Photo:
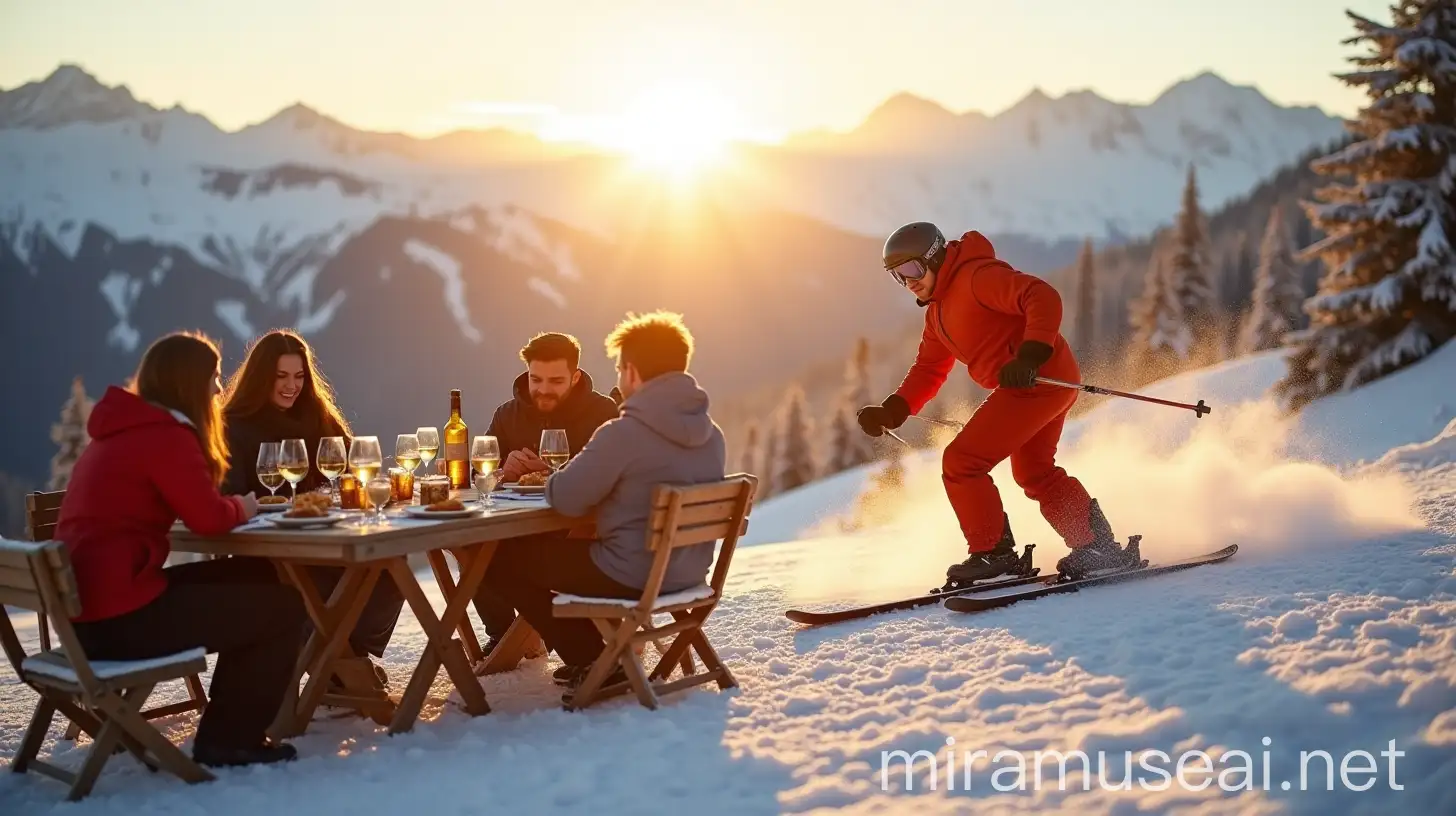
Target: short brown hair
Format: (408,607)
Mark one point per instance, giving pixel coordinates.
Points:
(549,346)
(656,343)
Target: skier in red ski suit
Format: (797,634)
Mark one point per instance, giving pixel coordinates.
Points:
(1003,325)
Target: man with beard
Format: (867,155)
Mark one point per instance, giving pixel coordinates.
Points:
(552,393)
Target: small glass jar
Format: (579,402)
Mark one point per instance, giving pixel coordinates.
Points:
(434,489)
(350,496)
(402,485)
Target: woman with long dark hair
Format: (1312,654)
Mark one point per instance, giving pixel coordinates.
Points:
(158,453)
(279,393)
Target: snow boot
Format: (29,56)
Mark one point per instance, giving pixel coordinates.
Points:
(1102,555)
(1000,561)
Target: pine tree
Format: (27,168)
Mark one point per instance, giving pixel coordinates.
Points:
(850,447)
(1388,295)
(1159,331)
(768,477)
(843,431)
(70,435)
(1086,302)
(796,463)
(1278,291)
(750,452)
(1188,281)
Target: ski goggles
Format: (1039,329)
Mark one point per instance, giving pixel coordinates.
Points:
(913,269)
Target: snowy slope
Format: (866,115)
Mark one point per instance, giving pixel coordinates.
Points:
(1343,640)
(1243,434)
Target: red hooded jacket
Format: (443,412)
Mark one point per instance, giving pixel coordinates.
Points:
(978,313)
(142,470)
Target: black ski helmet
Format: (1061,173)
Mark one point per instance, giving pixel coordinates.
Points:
(920,240)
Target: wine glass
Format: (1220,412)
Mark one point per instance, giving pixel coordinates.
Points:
(429,441)
(554,448)
(267,467)
(485,459)
(365,459)
(379,493)
(293,463)
(331,461)
(407,452)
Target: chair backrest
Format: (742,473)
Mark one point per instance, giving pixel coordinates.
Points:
(42,511)
(688,515)
(37,576)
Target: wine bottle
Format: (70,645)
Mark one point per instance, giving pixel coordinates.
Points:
(457,445)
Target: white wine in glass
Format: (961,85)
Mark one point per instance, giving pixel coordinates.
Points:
(485,461)
(554,448)
(267,466)
(407,452)
(293,462)
(332,460)
(365,459)
(429,441)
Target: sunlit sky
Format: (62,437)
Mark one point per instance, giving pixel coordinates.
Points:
(565,68)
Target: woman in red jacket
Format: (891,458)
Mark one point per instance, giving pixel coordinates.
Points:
(1004,326)
(157,454)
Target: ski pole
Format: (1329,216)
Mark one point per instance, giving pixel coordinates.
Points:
(897,436)
(949,423)
(1199,410)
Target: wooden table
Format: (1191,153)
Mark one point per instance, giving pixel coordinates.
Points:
(366,553)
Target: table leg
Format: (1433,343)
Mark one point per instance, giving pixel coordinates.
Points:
(520,641)
(441,568)
(333,621)
(442,648)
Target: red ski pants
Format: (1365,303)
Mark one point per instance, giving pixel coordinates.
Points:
(1024,424)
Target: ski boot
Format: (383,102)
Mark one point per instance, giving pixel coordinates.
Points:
(999,563)
(1103,556)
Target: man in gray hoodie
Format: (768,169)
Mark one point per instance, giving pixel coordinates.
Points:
(664,435)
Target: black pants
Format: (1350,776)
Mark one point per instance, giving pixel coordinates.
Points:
(527,577)
(496,613)
(381,612)
(235,607)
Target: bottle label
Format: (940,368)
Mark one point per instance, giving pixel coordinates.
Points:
(455,451)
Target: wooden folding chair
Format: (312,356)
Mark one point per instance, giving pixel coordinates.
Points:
(682,516)
(103,698)
(42,511)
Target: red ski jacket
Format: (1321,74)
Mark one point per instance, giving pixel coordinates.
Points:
(979,312)
(142,470)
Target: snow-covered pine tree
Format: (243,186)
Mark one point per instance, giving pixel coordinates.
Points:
(857,449)
(769,467)
(1278,292)
(842,432)
(1159,334)
(1086,303)
(1388,295)
(1188,282)
(796,458)
(70,435)
(749,463)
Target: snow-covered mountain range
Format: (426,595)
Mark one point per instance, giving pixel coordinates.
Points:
(120,221)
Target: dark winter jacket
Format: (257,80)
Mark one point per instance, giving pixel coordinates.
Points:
(142,470)
(518,424)
(245,434)
(664,435)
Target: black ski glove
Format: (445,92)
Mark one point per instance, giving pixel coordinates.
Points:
(892,413)
(1021,372)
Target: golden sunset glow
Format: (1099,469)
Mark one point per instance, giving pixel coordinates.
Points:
(676,128)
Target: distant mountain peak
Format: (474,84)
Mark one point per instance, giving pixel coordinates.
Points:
(69,95)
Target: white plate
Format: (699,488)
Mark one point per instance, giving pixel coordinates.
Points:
(299,523)
(417,511)
(524,489)
(274,508)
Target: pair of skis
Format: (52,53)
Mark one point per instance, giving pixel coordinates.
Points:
(1007,591)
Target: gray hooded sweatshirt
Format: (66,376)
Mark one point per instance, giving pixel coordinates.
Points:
(664,435)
